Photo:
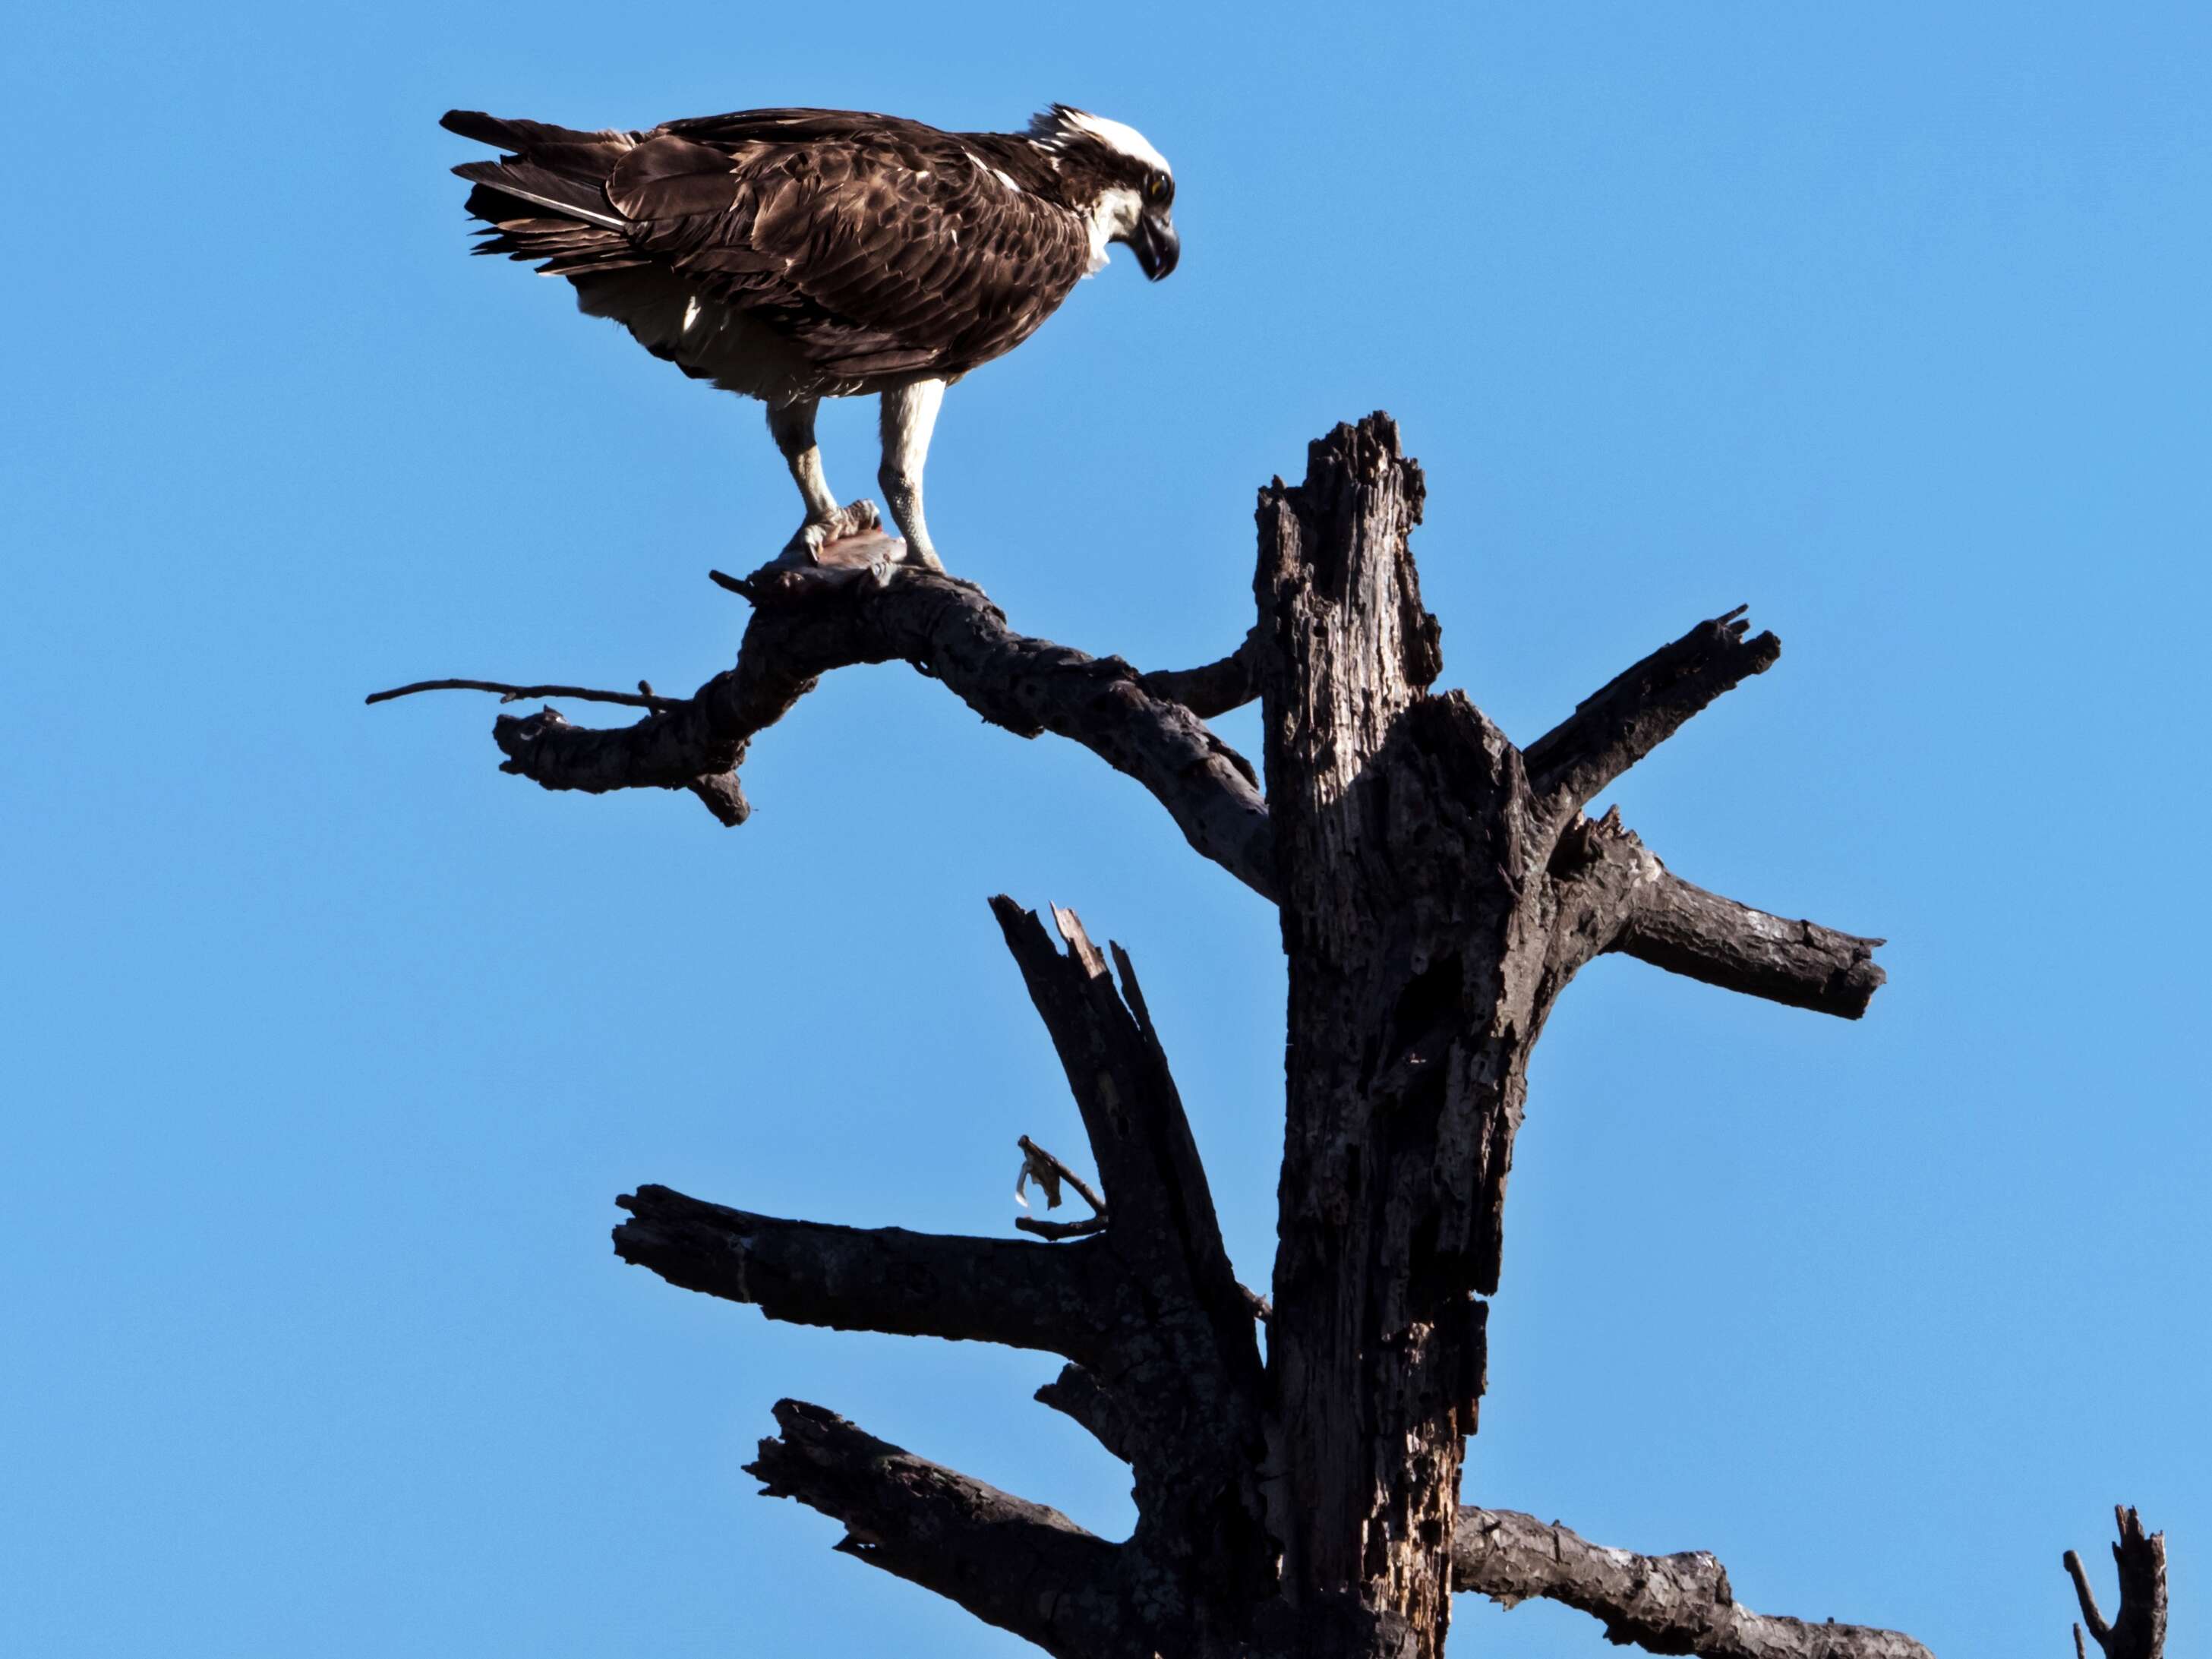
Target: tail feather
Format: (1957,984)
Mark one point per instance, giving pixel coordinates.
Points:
(546,199)
(521,137)
(527,181)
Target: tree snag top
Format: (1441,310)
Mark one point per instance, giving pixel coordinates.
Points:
(1439,887)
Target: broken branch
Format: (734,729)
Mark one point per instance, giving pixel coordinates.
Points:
(1011,1563)
(1662,1603)
(1633,713)
(1678,926)
(881,1279)
(2138,1632)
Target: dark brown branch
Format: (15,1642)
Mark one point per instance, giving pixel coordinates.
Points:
(517,693)
(809,622)
(2139,1630)
(1184,1370)
(1678,926)
(1011,1563)
(1627,719)
(1078,1393)
(1042,1228)
(883,1278)
(1215,687)
(1155,1185)
(1660,1603)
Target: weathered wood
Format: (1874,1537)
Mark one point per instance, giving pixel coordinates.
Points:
(874,1279)
(1660,1603)
(2139,1630)
(1639,709)
(1678,926)
(1396,844)
(808,621)
(1212,688)
(1438,888)
(1012,1563)
(1179,1392)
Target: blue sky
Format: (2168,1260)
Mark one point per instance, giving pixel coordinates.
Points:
(328,1046)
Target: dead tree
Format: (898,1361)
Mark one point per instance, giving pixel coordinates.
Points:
(1439,887)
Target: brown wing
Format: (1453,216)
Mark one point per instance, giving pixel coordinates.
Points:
(876,246)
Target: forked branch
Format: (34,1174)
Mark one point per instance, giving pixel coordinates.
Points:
(1660,1603)
(809,622)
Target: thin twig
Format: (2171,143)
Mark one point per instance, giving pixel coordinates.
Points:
(517,693)
(1057,1230)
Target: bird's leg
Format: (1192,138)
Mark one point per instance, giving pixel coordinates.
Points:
(792,426)
(909,416)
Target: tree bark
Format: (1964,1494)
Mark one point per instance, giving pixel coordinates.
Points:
(2138,1630)
(1374,1347)
(1660,1603)
(1439,887)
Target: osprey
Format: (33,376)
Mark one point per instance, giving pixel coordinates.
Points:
(797,254)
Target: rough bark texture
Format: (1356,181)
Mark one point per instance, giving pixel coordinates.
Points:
(1012,1563)
(808,621)
(1660,1603)
(1387,843)
(2139,1630)
(1438,888)
(879,1278)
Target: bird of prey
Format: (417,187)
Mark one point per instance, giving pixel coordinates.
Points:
(797,254)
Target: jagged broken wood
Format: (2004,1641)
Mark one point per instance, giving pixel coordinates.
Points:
(2138,1630)
(1438,888)
(1162,1335)
(809,622)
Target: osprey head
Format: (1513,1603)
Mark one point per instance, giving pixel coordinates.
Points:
(1120,184)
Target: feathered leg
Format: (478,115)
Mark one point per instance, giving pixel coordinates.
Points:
(909,416)
(792,426)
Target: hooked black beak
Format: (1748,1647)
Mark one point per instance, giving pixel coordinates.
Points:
(1154,242)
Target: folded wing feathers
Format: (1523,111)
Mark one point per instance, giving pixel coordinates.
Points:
(817,222)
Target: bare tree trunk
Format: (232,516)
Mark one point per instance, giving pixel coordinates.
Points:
(1376,1355)
(1438,888)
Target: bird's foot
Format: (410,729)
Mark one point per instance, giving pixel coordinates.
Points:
(818,539)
